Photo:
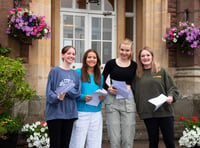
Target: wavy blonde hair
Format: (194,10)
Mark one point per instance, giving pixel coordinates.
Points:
(155,67)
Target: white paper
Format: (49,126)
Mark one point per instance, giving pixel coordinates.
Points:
(95,97)
(64,89)
(122,89)
(158,101)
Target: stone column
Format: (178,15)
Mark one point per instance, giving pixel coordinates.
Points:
(188,80)
(120,22)
(187,77)
(152,23)
(39,64)
(40,51)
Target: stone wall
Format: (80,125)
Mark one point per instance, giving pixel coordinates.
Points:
(172,10)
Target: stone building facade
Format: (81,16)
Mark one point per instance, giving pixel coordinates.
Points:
(151,20)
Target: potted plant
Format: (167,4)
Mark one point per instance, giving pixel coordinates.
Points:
(186,39)
(191,133)
(9,128)
(25,26)
(36,134)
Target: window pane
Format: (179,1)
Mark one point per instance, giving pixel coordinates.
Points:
(107,48)
(129,27)
(97,46)
(67,42)
(95,6)
(109,5)
(96,28)
(107,29)
(79,45)
(68,26)
(81,4)
(79,27)
(66,3)
(129,6)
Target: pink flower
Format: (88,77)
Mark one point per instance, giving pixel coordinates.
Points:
(26,25)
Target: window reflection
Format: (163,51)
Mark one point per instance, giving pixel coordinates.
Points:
(95,6)
(107,46)
(109,5)
(79,27)
(96,45)
(107,29)
(66,3)
(96,28)
(68,26)
(79,45)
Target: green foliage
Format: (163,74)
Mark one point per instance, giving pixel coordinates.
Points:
(9,125)
(13,87)
(190,123)
(4,51)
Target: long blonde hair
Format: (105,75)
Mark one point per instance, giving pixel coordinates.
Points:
(155,67)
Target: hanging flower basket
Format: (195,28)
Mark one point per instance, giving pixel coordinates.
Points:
(26,41)
(184,60)
(185,39)
(26,26)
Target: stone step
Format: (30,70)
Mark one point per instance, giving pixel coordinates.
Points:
(141,133)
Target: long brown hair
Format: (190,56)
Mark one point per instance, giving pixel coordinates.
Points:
(140,68)
(97,72)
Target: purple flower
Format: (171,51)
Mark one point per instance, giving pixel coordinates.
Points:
(8,30)
(20,25)
(34,17)
(183,24)
(27,24)
(194,44)
(17,20)
(28,33)
(12,18)
(189,38)
(48,35)
(27,28)
(30,19)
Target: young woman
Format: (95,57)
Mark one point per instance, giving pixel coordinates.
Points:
(88,128)
(120,113)
(61,108)
(152,81)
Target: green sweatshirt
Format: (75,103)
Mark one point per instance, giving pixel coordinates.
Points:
(150,86)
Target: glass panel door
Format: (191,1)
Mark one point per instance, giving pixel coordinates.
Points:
(85,31)
(73,33)
(102,36)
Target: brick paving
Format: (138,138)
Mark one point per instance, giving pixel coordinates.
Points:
(137,144)
(142,144)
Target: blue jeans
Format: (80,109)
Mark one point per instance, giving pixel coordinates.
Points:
(120,121)
(166,125)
